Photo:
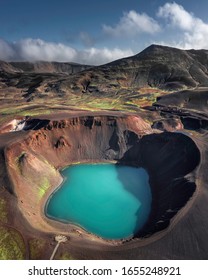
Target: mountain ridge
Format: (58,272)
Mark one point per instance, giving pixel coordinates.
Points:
(42,67)
(156,67)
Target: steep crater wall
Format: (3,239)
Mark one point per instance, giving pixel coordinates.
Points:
(169,158)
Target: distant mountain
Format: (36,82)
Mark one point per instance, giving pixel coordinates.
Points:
(161,67)
(26,78)
(165,66)
(156,66)
(42,67)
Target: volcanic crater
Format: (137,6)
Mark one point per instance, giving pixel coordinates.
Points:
(34,162)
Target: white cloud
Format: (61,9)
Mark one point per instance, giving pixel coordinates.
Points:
(194,30)
(177,16)
(131,24)
(101,56)
(37,49)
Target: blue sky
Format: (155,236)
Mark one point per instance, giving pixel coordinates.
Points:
(96,31)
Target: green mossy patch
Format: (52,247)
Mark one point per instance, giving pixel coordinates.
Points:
(44,186)
(12,246)
(3,211)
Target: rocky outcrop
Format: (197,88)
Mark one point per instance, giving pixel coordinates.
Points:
(169,124)
(184,109)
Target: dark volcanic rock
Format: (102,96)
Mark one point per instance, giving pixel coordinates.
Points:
(189,99)
(183,109)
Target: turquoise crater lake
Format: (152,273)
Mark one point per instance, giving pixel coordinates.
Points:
(108,200)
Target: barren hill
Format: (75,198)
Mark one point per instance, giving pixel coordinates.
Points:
(157,66)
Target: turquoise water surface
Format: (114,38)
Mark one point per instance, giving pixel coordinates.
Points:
(111,201)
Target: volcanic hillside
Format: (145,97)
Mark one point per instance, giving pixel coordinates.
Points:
(157,66)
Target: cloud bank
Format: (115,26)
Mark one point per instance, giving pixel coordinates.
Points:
(37,49)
